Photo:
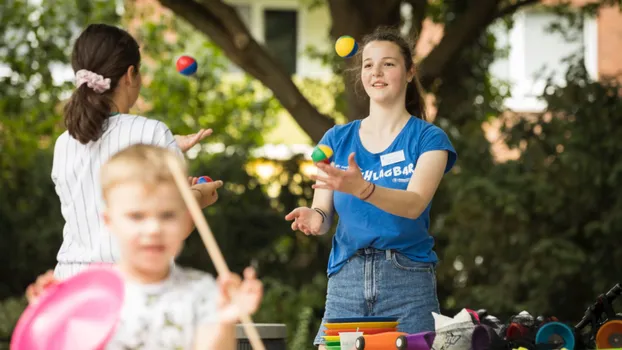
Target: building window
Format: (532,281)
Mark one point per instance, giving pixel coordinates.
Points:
(535,54)
(274,27)
(280,36)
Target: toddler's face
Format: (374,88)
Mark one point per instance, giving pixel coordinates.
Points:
(150,224)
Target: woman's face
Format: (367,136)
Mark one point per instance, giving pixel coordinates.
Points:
(383,72)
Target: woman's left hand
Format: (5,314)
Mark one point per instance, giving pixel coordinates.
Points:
(186,142)
(349,181)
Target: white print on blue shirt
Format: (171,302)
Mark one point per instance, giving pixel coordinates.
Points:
(388,171)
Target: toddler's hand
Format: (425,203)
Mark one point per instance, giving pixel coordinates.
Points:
(239,298)
(33,292)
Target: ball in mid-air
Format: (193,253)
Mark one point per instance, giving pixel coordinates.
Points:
(346,46)
(186,65)
(322,154)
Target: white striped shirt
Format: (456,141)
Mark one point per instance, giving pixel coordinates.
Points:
(75,173)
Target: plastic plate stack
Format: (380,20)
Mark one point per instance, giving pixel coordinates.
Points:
(366,325)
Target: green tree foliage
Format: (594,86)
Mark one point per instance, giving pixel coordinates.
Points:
(540,232)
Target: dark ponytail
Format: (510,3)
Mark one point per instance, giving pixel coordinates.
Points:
(415,98)
(106,51)
(85,114)
(415,95)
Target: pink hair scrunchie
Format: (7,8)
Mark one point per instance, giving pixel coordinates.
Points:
(92,80)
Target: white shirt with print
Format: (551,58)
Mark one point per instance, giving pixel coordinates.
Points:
(166,315)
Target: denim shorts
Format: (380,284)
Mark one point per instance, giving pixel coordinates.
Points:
(383,283)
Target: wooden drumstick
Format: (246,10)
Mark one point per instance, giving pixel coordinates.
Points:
(210,243)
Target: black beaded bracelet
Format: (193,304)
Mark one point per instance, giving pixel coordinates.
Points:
(324,216)
(373,188)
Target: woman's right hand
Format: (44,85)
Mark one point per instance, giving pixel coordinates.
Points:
(34,291)
(306,220)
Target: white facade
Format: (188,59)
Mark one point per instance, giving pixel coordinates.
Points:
(535,53)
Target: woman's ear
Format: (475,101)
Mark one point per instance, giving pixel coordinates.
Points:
(131,76)
(410,75)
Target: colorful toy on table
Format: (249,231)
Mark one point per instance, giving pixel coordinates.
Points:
(609,335)
(186,65)
(380,341)
(474,316)
(79,313)
(335,332)
(520,326)
(481,338)
(485,337)
(491,321)
(346,46)
(605,326)
(336,328)
(417,341)
(556,334)
(204,179)
(322,154)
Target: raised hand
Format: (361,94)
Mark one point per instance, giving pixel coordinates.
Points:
(185,142)
(349,181)
(237,297)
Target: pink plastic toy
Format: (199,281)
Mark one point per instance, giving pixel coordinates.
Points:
(474,316)
(79,313)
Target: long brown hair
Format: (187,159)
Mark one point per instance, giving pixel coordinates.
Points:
(108,51)
(415,102)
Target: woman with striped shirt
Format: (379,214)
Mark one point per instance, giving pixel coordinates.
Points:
(106,60)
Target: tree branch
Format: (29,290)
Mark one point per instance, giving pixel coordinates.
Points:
(510,9)
(231,21)
(461,33)
(221,23)
(457,36)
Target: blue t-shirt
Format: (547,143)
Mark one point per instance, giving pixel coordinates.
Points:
(363,225)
